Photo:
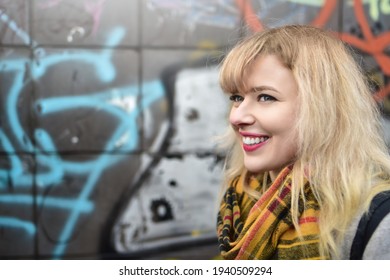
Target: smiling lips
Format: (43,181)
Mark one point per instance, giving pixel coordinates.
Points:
(252,142)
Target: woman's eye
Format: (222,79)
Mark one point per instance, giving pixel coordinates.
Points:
(265,98)
(236,98)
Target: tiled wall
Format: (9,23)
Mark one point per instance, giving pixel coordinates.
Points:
(108,109)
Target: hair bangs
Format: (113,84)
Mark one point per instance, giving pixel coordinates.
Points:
(232,71)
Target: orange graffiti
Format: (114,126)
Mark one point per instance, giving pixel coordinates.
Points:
(254,22)
(372,45)
(325,13)
(249,15)
(382,93)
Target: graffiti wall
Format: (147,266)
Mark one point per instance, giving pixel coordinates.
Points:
(109,111)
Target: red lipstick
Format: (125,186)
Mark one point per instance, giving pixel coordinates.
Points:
(252,147)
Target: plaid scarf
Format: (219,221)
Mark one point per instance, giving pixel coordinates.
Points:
(263,229)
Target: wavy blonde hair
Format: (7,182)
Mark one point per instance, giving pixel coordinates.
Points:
(341,150)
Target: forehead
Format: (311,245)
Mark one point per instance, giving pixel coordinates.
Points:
(268,70)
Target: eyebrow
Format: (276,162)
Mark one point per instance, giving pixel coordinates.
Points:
(262,88)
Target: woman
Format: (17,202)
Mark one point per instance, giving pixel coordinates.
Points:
(305,155)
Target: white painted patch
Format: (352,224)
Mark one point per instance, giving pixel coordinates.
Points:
(200,110)
(192,199)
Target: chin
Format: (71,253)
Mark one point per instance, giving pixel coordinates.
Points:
(255,169)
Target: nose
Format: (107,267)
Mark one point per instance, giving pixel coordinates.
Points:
(241,115)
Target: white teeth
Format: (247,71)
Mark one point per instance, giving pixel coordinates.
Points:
(253,140)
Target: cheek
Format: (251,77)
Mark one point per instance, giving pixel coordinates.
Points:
(231,116)
(284,123)
(278,124)
(285,135)
(289,142)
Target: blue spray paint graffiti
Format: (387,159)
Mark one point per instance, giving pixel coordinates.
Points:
(55,166)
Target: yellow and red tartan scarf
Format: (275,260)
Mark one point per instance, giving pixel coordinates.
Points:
(263,229)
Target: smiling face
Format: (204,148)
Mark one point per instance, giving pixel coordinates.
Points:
(264,116)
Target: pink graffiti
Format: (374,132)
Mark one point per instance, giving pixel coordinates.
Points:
(49,4)
(95,8)
(92,7)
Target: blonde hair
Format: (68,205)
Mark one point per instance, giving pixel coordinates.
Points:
(341,149)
